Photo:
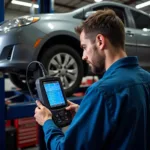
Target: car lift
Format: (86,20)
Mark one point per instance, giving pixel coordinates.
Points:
(46,6)
(22,104)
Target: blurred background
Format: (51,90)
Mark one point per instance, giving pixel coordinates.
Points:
(15,8)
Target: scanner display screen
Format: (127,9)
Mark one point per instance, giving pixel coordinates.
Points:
(54,93)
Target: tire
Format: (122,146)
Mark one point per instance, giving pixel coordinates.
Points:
(63,61)
(20,82)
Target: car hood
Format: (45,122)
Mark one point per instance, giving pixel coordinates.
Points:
(54,16)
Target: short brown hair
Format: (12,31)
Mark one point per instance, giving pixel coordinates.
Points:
(107,23)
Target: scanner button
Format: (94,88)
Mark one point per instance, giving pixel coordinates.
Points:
(59,121)
(66,118)
(57,116)
(61,113)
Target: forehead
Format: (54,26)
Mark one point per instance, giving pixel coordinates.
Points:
(83,37)
(87,38)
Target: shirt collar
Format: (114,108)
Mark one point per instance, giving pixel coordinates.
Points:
(126,61)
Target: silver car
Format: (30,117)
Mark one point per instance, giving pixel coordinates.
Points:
(51,39)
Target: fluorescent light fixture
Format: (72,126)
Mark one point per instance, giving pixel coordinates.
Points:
(16,2)
(142,5)
(98,1)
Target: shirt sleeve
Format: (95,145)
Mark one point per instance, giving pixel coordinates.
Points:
(89,128)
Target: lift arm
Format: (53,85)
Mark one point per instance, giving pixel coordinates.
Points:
(46,6)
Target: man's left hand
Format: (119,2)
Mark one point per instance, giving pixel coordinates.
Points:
(42,114)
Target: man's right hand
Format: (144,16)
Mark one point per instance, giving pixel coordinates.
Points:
(72,107)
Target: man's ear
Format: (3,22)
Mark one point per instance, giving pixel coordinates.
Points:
(100,40)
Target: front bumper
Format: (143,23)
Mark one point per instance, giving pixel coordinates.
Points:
(14,66)
(15,58)
(15,51)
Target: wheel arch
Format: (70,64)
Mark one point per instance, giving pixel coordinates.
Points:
(65,40)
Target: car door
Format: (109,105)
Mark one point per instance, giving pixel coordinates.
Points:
(142,31)
(130,38)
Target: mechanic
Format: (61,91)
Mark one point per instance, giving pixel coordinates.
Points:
(115,111)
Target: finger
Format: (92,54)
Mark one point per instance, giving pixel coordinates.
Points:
(70,107)
(69,102)
(36,109)
(38,103)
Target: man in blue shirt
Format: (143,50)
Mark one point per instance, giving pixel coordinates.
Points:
(115,112)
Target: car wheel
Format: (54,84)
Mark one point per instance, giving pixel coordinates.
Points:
(19,81)
(63,61)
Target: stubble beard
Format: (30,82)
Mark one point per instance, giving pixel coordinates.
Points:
(98,67)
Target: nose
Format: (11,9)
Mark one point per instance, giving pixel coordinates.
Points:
(84,56)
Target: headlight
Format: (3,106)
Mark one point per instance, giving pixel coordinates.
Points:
(17,22)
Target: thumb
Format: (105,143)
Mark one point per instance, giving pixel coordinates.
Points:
(38,103)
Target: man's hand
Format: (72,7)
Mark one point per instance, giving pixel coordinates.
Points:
(72,107)
(42,113)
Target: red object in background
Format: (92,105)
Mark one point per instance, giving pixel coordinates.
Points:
(7,123)
(27,132)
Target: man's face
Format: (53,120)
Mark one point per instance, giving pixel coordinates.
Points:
(92,54)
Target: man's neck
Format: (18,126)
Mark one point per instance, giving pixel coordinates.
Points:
(112,57)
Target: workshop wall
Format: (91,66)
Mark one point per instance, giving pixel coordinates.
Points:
(9,14)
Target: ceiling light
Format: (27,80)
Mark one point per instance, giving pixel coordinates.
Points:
(24,4)
(142,5)
(98,1)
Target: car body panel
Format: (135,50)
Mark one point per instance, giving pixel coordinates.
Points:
(130,45)
(51,35)
(21,45)
(143,48)
(143,42)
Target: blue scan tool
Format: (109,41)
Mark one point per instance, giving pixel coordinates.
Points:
(52,96)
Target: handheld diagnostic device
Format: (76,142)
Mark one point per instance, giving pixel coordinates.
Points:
(52,96)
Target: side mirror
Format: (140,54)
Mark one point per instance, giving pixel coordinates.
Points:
(89,13)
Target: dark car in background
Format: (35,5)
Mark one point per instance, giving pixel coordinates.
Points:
(51,39)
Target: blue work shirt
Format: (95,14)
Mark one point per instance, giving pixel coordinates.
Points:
(114,114)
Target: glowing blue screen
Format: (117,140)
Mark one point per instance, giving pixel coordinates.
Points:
(54,93)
